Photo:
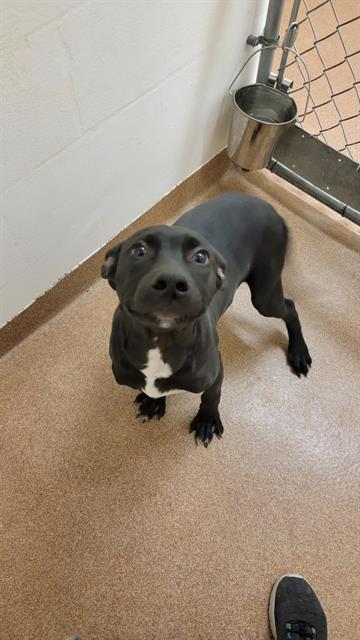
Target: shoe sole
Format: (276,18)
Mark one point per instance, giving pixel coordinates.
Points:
(273,598)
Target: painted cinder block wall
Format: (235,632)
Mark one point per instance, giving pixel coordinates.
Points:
(105,107)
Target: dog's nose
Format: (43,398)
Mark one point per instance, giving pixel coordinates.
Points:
(170,283)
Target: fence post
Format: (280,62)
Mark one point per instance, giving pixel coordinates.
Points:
(271,33)
(290,38)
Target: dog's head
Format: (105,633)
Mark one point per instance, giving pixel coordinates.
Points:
(165,276)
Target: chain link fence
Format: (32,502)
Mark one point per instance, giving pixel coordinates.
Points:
(328,40)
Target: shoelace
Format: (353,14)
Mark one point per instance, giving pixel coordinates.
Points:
(299,630)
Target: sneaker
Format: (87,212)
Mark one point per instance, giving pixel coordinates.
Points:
(295,612)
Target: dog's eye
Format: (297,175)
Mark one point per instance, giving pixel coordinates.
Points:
(138,250)
(202,257)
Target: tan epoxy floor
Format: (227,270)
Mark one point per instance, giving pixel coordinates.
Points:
(120,530)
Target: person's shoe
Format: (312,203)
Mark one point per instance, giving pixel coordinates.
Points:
(295,612)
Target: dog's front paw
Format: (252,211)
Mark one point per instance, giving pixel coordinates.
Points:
(299,358)
(150,407)
(206,427)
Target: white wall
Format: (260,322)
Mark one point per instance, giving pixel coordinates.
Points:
(106,106)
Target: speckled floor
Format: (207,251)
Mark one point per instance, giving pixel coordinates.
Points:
(120,530)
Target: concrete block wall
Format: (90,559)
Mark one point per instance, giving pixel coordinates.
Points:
(106,106)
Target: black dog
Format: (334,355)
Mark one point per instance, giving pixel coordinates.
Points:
(175,282)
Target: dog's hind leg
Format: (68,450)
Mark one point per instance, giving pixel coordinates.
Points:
(268,298)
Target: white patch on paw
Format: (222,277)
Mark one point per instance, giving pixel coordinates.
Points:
(156,368)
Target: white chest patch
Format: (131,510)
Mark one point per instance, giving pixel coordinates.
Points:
(156,368)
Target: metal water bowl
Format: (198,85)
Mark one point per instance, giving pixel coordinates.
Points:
(260,115)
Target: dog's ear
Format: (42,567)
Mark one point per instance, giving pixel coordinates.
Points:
(108,268)
(220,270)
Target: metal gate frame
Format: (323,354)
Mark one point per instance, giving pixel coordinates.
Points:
(299,157)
